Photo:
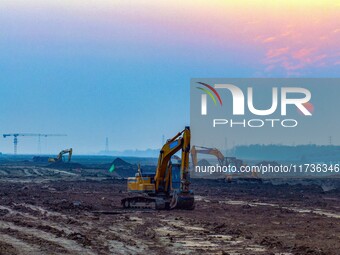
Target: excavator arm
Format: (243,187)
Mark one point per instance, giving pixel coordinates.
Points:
(67,151)
(223,161)
(60,156)
(181,141)
(205,150)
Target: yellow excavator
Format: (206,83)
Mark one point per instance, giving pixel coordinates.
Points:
(205,150)
(59,158)
(222,160)
(168,187)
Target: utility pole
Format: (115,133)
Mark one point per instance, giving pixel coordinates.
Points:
(39,144)
(107,145)
(15,142)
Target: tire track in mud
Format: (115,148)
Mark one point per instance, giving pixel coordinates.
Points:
(47,241)
(316,211)
(29,172)
(189,238)
(6,248)
(14,245)
(172,235)
(33,228)
(64,229)
(29,232)
(29,243)
(122,234)
(277,231)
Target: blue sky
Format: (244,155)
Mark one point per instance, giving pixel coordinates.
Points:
(122,70)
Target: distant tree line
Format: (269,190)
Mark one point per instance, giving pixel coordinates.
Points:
(310,152)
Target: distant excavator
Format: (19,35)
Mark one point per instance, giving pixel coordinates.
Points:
(59,158)
(205,150)
(222,160)
(168,187)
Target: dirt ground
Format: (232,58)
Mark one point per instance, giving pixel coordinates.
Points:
(58,211)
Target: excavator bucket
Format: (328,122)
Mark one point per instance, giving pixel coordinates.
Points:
(184,201)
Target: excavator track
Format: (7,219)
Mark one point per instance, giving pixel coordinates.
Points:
(183,201)
(142,202)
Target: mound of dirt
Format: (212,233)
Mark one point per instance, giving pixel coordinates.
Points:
(118,162)
(124,169)
(126,172)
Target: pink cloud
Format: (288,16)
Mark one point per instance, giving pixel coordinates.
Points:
(297,50)
(274,53)
(269,39)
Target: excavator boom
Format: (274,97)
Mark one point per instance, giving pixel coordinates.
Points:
(205,150)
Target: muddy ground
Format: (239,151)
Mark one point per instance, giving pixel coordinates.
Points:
(60,211)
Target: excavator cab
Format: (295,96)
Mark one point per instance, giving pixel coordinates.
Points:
(141,182)
(175,173)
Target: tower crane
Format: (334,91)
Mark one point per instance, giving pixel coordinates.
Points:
(16,135)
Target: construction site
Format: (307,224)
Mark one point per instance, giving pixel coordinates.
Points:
(147,127)
(107,205)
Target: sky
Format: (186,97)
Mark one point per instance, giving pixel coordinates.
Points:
(93,69)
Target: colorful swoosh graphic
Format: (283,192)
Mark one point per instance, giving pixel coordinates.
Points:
(209,92)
